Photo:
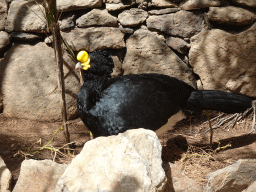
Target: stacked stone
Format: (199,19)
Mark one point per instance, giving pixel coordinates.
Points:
(202,42)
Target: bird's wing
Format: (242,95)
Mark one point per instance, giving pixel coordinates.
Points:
(138,101)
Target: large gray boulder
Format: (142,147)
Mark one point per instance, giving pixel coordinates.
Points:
(181,24)
(132,17)
(225,61)
(148,54)
(29,76)
(97,17)
(102,38)
(130,161)
(235,178)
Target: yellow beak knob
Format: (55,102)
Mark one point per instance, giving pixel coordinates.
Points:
(83,57)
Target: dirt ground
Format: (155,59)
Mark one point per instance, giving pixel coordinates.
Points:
(19,139)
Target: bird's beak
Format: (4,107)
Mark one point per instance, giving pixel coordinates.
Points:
(85,66)
(78,66)
(84,60)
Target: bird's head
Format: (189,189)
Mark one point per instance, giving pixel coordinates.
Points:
(83,60)
(97,62)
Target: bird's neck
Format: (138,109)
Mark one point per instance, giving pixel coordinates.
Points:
(95,84)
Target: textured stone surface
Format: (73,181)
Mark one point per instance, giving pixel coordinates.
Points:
(251,188)
(22,17)
(1,103)
(29,76)
(67,22)
(113,1)
(4,40)
(3,15)
(182,23)
(162,3)
(199,4)
(5,177)
(148,54)
(178,44)
(69,5)
(225,61)
(132,17)
(39,176)
(25,36)
(163,11)
(115,7)
(118,67)
(126,30)
(231,15)
(97,17)
(102,38)
(249,3)
(235,178)
(176,181)
(143,4)
(140,3)
(117,163)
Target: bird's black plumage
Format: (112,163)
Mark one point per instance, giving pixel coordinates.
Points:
(109,106)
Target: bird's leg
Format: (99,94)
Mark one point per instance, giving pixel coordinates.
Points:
(91,135)
(210,125)
(254,111)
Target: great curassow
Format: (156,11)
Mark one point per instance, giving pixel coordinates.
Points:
(109,106)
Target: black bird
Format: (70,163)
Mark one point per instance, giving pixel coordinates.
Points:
(109,106)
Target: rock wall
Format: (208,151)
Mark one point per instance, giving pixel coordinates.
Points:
(209,44)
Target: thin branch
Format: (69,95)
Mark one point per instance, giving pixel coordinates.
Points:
(214,118)
(254,111)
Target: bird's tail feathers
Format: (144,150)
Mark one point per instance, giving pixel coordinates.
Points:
(217,100)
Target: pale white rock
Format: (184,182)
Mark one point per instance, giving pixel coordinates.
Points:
(130,161)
